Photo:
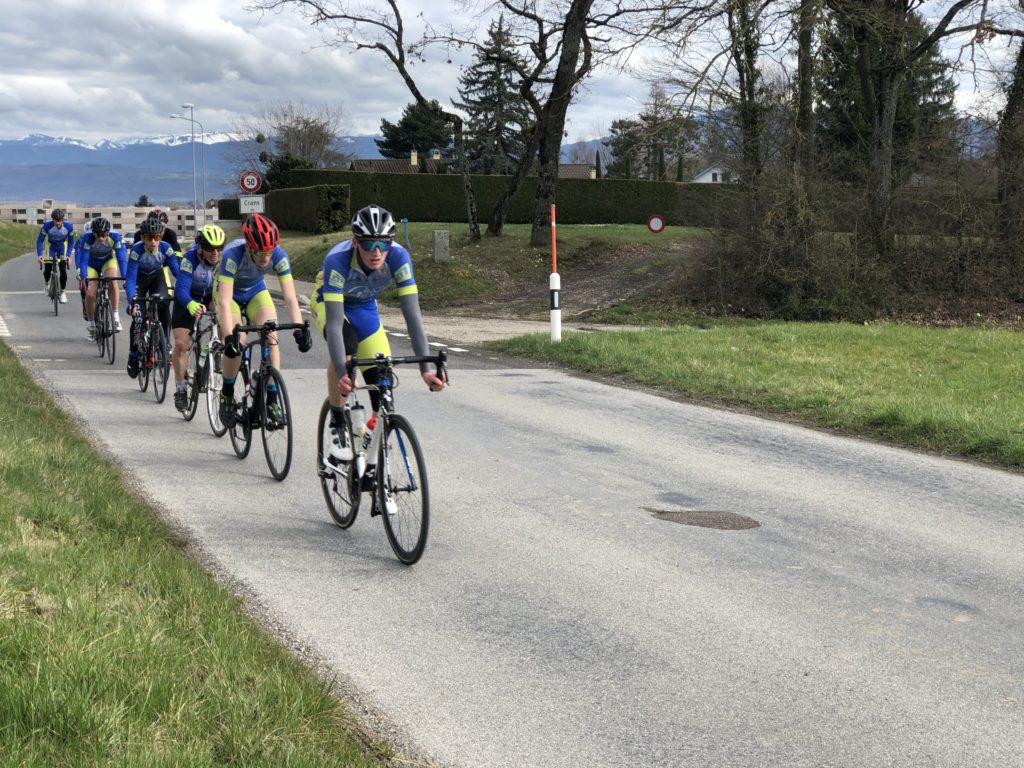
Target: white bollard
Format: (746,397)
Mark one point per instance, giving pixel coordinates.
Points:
(555,286)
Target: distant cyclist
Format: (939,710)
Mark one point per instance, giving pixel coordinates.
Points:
(193,295)
(146,278)
(102,253)
(58,235)
(344,309)
(242,291)
(169,235)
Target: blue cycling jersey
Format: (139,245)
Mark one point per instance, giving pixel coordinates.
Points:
(142,263)
(196,279)
(237,267)
(94,254)
(345,280)
(59,240)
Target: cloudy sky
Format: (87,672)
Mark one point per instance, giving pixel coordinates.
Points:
(111,69)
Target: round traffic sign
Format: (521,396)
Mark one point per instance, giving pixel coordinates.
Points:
(250,181)
(655,223)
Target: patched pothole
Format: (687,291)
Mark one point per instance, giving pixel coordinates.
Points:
(723,521)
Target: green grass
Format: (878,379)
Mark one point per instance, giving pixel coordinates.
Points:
(16,239)
(115,647)
(493,268)
(954,391)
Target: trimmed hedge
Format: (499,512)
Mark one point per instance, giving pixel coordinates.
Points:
(439,197)
(318,209)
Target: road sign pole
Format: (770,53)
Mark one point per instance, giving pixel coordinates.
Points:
(555,285)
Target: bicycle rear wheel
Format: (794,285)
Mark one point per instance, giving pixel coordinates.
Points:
(158,348)
(276,424)
(241,432)
(402,495)
(338,480)
(214,384)
(144,362)
(193,382)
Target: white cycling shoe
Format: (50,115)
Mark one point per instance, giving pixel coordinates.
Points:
(117,323)
(63,298)
(337,451)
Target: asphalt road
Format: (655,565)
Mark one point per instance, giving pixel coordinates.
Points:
(873,617)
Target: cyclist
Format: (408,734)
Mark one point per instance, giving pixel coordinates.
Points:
(193,295)
(241,290)
(169,235)
(102,253)
(59,236)
(146,263)
(344,309)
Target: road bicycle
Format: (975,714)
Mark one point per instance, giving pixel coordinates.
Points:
(387,462)
(103,317)
(53,284)
(197,363)
(151,347)
(262,402)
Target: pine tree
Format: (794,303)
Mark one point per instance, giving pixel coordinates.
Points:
(421,127)
(498,115)
(925,118)
(643,147)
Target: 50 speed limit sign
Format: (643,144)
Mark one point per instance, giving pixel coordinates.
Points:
(250,181)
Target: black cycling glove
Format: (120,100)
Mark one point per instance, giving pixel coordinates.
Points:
(304,339)
(232,346)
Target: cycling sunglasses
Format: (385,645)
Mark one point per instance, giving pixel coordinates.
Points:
(374,245)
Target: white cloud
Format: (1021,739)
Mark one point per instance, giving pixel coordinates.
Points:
(106,69)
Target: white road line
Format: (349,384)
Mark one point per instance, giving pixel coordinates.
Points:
(4,330)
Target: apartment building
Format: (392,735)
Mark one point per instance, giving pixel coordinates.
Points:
(125,219)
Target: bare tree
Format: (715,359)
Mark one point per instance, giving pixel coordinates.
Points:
(381,28)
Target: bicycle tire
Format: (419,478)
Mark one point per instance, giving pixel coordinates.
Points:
(276,433)
(193,382)
(55,290)
(402,495)
(214,385)
(99,317)
(338,481)
(241,432)
(109,335)
(143,377)
(161,365)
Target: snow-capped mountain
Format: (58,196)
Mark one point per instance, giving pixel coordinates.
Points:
(118,171)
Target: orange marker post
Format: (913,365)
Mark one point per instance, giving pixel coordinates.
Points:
(555,285)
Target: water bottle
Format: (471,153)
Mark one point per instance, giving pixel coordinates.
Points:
(368,433)
(358,417)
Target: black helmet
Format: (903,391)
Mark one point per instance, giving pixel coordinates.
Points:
(152,226)
(57,213)
(99,226)
(373,221)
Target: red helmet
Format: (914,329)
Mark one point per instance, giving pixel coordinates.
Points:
(260,233)
(158,214)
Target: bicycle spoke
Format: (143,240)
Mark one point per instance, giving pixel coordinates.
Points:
(403,501)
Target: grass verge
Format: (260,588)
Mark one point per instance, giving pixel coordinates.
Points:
(954,391)
(16,239)
(116,648)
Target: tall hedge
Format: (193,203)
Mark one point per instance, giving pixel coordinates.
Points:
(320,208)
(438,197)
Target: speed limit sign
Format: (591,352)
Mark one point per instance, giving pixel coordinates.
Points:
(250,181)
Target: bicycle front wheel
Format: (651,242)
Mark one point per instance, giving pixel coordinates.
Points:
(100,323)
(158,349)
(109,337)
(402,495)
(338,479)
(193,382)
(276,424)
(55,290)
(214,384)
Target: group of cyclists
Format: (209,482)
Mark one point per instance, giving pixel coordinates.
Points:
(228,278)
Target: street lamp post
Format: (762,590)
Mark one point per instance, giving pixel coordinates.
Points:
(192,121)
(202,134)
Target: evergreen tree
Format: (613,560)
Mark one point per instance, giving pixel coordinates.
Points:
(925,119)
(498,115)
(422,127)
(643,147)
